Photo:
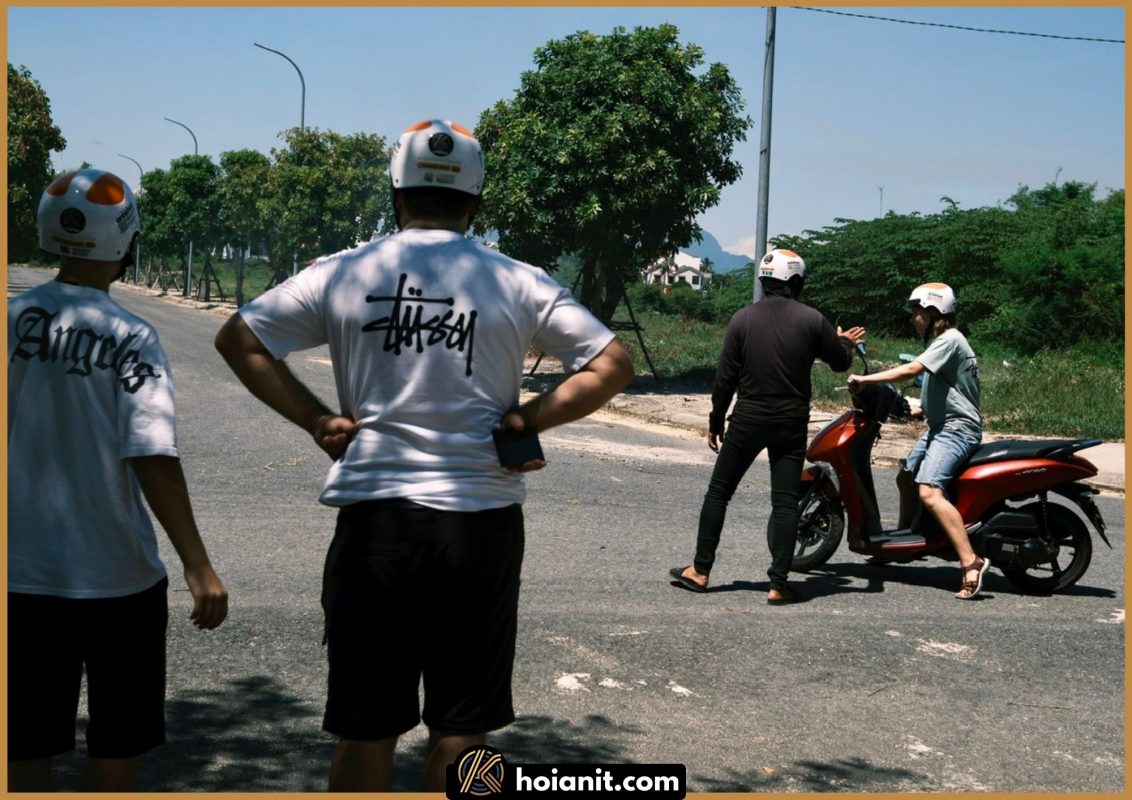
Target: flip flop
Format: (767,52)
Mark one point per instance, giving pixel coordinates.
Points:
(678,577)
(789,596)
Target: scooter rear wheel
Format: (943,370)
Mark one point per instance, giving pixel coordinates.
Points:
(1074,552)
(821,524)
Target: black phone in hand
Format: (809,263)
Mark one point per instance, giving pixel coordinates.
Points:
(516,448)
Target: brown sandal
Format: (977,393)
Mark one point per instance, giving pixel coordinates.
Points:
(970,588)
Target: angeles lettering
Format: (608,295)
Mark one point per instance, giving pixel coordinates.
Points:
(406,325)
(82,350)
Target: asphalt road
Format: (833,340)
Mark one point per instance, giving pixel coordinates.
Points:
(881,682)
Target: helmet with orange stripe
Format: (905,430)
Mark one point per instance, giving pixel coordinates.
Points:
(939,296)
(88,214)
(437,154)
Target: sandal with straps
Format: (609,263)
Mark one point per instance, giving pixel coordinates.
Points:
(970,588)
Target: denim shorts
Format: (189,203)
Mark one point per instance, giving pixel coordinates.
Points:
(937,456)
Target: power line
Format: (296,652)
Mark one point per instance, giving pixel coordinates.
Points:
(958,27)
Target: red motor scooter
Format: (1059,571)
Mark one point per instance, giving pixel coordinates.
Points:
(1003,494)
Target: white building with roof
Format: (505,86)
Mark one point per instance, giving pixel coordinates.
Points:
(678,268)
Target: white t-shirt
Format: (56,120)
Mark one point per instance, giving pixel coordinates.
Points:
(88,386)
(427,333)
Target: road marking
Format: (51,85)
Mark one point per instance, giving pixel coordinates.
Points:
(621,451)
(680,690)
(917,749)
(951,650)
(610,683)
(573,682)
(1116,619)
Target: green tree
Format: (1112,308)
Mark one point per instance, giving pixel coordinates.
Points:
(32,136)
(243,204)
(328,192)
(160,235)
(195,208)
(610,149)
(1061,279)
(1042,271)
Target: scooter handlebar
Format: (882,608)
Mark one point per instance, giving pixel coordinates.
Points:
(876,400)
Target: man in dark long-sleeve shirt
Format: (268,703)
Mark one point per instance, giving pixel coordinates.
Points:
(768,351)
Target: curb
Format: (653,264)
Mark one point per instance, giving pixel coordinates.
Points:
(630,406)
(886,454)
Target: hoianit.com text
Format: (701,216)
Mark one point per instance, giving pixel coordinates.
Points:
(656,780)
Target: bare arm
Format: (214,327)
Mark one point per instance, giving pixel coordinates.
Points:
(269,379)
(901,373)
(579,395)
(163,483)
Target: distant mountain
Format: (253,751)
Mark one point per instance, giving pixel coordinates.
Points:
(709,247)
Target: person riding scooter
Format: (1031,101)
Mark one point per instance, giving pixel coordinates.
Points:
(950,398)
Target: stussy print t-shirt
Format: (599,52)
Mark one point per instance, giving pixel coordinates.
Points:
(427,333)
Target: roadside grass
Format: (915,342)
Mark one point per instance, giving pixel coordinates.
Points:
(1076,392)
(1073,393)
(257,274)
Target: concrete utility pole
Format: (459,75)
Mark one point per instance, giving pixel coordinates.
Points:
(764,150)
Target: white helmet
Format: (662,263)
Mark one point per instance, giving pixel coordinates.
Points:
(782,265)
(933,295)
(437,153)
(88,214)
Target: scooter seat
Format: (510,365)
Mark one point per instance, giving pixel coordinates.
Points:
(1011,449)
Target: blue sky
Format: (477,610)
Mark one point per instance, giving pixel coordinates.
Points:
(859,104)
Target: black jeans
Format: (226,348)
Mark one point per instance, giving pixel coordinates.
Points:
(786,446)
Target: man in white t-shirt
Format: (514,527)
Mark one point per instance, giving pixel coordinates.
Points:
(90,431)
(427,333)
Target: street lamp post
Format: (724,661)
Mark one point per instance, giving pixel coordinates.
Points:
(302,84)
(189,274)
(137,252)
(190,130)
(302,117)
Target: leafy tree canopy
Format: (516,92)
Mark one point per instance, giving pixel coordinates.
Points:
(1046,269)
(32,136)
(244,174)
(610,149)
(329,191)
(159,234)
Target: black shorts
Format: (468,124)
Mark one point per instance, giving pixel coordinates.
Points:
(408,592)
(121,643)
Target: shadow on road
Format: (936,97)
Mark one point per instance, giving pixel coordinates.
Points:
(549,740)
(863,578)
(838,577)
(254,736)
(850,774)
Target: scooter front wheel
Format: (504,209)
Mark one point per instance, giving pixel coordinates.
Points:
(1072,546)
(821,524)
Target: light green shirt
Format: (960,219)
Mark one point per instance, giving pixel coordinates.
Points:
(951,394)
